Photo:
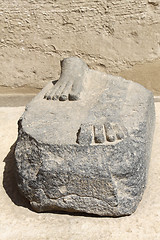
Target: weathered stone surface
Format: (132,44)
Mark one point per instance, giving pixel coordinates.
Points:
(89,155)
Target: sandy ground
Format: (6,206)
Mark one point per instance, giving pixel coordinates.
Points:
(18,221)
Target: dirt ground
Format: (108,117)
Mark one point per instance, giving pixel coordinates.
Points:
(18,221)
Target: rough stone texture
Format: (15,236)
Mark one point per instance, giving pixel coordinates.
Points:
(89,155)
(19,222)
(110,35)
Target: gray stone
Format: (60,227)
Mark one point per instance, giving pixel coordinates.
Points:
(90,154)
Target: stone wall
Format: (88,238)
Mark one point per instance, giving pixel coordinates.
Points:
(111,36)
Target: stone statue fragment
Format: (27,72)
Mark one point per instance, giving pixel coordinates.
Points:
(84,143)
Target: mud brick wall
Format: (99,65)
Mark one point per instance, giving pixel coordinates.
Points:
(113,36)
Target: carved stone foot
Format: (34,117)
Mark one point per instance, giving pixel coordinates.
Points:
(99,134)
(103,168)
(71,82)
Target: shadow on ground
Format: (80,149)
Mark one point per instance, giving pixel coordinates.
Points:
(9,180)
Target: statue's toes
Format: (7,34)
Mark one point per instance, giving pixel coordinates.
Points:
(110,134)
(119,132)
(99,136)
(48,95)
(85,134)
(65,93)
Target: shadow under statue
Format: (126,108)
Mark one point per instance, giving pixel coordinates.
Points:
(9,180)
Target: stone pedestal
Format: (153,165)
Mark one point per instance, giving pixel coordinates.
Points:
(89,153)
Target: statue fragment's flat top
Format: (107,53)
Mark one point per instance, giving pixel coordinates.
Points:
(84,143)
(103,104)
